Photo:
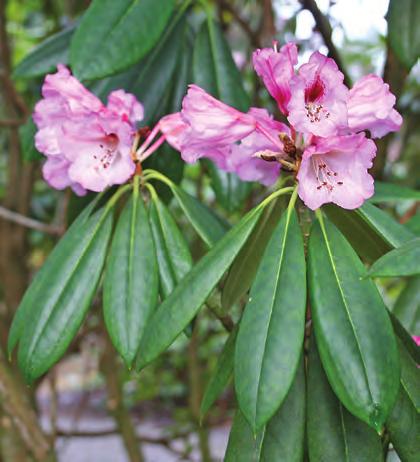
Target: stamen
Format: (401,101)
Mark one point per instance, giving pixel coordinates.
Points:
(152,148)
(147,141)
(315,112)
(325,176)
(108,147)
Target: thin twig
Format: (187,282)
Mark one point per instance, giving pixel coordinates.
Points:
(27,222)
(325,29)
(11,122)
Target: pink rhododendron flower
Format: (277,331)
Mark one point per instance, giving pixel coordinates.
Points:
(371,107)
(324,144)
(335,170)
(276,68)
(230,149)
(416,338)
(318,101)
(88,145)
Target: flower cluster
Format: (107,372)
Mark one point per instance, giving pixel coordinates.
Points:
(325,144)
(88,145)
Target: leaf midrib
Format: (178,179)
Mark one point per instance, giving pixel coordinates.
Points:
(285,235)
(332,261)
(32,347)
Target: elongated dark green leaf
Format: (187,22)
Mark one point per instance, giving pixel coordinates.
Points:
(214,68)
(58,255)
(167,160)
(173,254)
(114,35)
(271,331)
(131,279)
(221,375)
(403,261)
(404,421)
(384,225)
(333,433)
(407,306)
(208,226)
(61,295)
(246,263)
(230,190)
(404,428)
(410,376)
(215,71)
(152,79)
(371,231)
(285,432)
(388,192)
(403,32)
(353,331)
(243,445)
(281,439)
(174,314)
(45,57)
(410,345)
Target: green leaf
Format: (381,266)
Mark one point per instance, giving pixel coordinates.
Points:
(404,421)
(216,72)
(173,255)
(152,79)
(207,224)
(410,345)
(403,261)
(243,445)
(282,439)
(384,225)
(27,142)
(131,279)
(371,231)
(245,265)
(410,376)
(114,35)
(407,306)
(58,254)
(353,331)
(413,224)
(285,432)
(271,331)
(388,192)
(214,68)
(174,314)
(45,57)
(221,375)
(403,33)
(230,190)
(61,293)
(333,433)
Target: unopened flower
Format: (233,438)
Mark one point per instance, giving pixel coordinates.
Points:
(324,145)
(88,145)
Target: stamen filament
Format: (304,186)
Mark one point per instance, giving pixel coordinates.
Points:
(148,140)
(152,148)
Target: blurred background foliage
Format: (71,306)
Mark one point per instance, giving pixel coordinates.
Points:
(89,407)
